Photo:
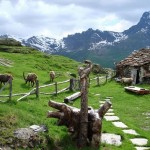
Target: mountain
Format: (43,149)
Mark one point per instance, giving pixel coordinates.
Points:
(103,47)
(91,39)
(108,47)
(143,25)
(45,44)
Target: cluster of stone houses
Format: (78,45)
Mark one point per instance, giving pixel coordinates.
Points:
(136,65)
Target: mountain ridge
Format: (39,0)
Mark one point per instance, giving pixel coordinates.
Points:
(103,47)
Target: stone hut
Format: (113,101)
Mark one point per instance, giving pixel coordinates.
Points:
(136,65)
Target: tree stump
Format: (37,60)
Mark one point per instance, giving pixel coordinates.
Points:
(84,124)
(70,117)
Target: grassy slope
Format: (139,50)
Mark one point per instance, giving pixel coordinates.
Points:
(128,107)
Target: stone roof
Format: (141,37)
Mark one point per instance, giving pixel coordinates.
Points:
(137,58)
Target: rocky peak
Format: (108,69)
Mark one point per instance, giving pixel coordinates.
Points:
(143,25)
(145,19)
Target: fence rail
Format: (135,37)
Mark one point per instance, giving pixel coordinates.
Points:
(74,85)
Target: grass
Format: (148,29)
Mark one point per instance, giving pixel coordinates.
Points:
(130,108)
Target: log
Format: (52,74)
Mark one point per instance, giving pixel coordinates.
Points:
(60,91)
(84,73)
(70,117)
(27,94)
(72,97)
(83,113)
(105,107)
(43,86)
(13,95)
(63,82)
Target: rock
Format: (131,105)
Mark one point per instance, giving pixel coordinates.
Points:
(37,128)
(24,133)
(142,148)
(130,131)
(120,124)
(112,139)
(28,137)
(111,118)
(139,141)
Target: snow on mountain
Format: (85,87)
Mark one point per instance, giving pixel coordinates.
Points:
(45,44)
(51,45)
(99,45)
(117,37)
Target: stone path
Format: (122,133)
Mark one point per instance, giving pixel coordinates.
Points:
(139,143)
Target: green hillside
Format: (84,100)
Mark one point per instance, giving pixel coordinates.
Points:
(130,108)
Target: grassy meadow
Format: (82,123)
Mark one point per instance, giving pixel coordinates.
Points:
(132,109)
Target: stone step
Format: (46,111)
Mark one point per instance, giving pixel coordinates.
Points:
(110,110)
(112,139)
(111,118)
(110,114)
(142,148)
(130,131)
(119,124)
(102,102)
(139,141)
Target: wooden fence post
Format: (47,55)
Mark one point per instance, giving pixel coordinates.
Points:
(106,78)
(10,89)
(71,87)
(56,88)
(79,84)
(98,81)
(37,89)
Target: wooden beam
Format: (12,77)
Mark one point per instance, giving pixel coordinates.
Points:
(72,97)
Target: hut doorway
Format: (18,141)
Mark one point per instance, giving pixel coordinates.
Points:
(137,76)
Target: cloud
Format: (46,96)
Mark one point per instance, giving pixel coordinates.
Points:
(62,17)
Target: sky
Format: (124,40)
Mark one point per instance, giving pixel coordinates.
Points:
(60,18)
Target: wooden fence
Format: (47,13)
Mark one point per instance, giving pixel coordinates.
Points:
(73,85)
(10,89)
